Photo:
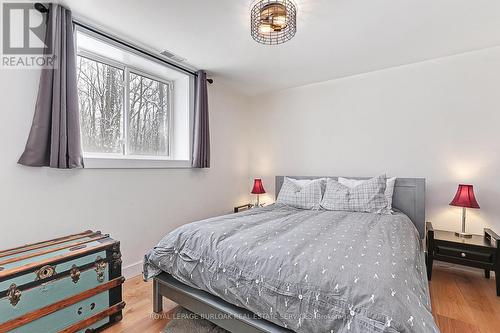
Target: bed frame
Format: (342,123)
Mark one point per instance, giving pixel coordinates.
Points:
(409,197)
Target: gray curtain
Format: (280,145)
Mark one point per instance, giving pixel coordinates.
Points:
(54,139)
(201,135)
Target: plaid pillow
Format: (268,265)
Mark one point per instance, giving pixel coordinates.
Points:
(301,195)
(389,188)
(367,197)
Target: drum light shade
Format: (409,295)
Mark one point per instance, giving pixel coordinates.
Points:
(273,21)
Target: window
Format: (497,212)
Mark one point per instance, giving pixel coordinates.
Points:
(134,112)
(148,116)
(100,97)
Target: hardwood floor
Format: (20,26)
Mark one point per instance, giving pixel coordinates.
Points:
(138,316)
(463,301)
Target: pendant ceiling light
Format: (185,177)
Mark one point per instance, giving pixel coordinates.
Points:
(273,21)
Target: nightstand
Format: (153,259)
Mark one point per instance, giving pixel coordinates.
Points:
(479,251)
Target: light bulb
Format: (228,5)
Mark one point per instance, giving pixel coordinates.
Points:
(265,28)
(279,21)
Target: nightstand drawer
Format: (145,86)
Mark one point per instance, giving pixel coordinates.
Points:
(464,254)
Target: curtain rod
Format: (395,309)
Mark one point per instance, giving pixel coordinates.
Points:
(42,9)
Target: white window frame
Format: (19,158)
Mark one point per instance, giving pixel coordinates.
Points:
(124,160)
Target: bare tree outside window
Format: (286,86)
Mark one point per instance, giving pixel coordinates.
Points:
(148,116)
(140,127)
(100,95)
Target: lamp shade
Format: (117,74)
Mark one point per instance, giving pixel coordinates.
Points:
(465,197)
(258,188)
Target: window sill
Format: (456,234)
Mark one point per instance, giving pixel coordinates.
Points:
(134,163)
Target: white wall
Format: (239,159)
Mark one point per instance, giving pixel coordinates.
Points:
(437,119)
(136,207)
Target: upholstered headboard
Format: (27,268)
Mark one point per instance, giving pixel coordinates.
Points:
(409,197)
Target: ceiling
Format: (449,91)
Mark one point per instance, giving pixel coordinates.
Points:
(335,38)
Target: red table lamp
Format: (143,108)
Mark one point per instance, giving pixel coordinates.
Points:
(258,189)
(464,198)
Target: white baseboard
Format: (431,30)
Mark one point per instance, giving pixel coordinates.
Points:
(132,270)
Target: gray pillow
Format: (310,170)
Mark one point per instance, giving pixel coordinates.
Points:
(368,197)
(301,195)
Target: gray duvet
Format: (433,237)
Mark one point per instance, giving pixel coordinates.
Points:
(306,270)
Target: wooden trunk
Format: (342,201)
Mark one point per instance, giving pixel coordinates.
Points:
(67,284)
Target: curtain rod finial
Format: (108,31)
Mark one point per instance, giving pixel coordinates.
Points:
(210,81)
(41,8)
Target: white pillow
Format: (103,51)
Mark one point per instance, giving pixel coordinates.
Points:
(389,187)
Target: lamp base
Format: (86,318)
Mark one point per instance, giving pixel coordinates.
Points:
(463,234)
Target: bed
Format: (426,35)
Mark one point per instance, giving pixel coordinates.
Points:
(281,269)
